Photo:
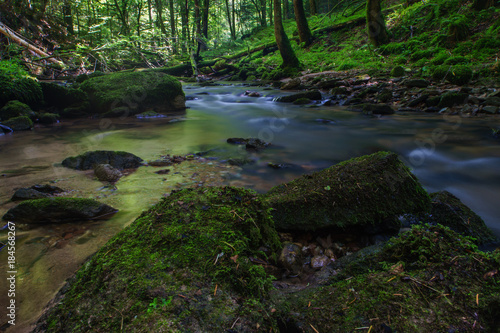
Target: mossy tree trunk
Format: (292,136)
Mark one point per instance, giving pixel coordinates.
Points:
(375,24)
(289,58)
(173,26)
(300,17)
(482,4)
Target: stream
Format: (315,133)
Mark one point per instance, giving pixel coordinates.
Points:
(450,153)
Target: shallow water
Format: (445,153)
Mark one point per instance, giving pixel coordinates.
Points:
(446,153)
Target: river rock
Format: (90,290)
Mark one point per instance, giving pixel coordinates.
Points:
(138,91)
(364,194)
(313,94)
(291,258)
(57,210)
(21,123)
(319,261)
(291,84)
(250,143)
(416,83)
(105,172)
(15,109)
(490,109)
(452,98)
(117,159)
(493,101)
(449,211)
(36,192)
(381,109)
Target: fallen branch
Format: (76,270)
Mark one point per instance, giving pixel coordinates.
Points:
(19,40)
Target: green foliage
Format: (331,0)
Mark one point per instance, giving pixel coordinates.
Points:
(457,27)
(12,70)
(457,60)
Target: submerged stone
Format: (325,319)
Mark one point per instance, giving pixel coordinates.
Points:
(117,159)
(364,194)
(58,210)
(105,172)
(36,192)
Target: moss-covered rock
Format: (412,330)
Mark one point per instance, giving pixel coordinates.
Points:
(449,211)
(451,98)
(57,210)
(61,97)
(459,74)
(429,279)
(20,123)
(138,91)
(313,95)
(186,265)
(25,90)
(363,194)
(48,118)
(117,159)
(398,71)
(15,109)
(36,192)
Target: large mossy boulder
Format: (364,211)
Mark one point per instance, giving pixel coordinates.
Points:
(192,263)
(117,159)
(58,210)
(364,194)
(137,91)
(429,279)
(449,211)
(15,109)
(21,123)
(24,89)
(61,97)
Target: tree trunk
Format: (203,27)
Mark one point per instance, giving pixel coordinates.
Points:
(185,28)
(482,4)
(172,26)
(300,17)
(375,24)
(123,16)
(204,23)
(312,7)
(68,17)
(159,18)
(150,9)
(230,13)
(289,58)
(197,22)
(271,12)
(263,9)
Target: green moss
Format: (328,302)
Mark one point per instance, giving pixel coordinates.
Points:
(136,90)
(61,97)
(15,109)
(452,98)
(457,60)
(398,71)
(430,278)
(20,123)
(356,195)
(193,248)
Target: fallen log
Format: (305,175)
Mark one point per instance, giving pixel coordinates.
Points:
(19,40)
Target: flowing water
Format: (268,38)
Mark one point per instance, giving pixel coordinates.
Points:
(445,152)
